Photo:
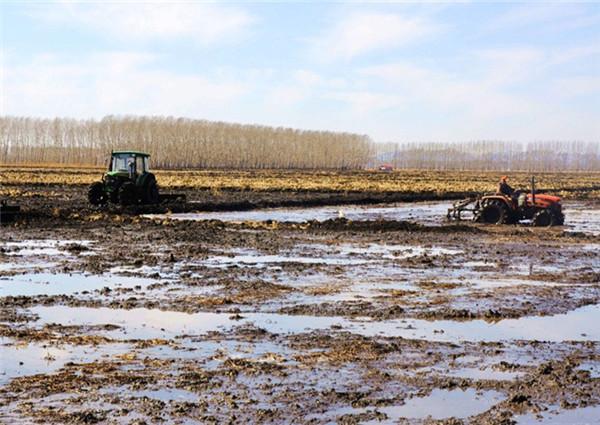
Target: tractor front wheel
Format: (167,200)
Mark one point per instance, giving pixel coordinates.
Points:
(544,218)
(127,194)
(96,194)
(494,212)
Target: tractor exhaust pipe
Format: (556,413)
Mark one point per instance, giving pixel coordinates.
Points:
(533,190)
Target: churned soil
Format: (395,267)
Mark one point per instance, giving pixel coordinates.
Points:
(276,322)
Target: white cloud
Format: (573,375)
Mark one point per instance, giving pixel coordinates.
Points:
(366,101)
(578,86)
(486,84)
(301,85)
(204,23)
(495,97)
(544,17)
(112,83)
(307,78)
(361,33)
(510,65)
(588,53)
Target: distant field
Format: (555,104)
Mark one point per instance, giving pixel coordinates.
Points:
(571,184)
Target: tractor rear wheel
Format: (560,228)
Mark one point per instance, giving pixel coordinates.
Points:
(151,195)
(544,218)
(127,194)
(96,194)
(494,212)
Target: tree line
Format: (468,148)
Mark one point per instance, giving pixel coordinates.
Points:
(187,143)
(178,143)
(492,156)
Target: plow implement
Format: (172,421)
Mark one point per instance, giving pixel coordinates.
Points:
(466,209)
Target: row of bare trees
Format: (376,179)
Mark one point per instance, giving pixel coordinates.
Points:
(186,143)
(178,143)
(493,155)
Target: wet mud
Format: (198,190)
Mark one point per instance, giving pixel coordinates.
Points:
(341,314)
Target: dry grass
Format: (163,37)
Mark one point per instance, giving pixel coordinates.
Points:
(409,181)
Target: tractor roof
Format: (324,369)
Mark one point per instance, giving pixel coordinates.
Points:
(136,153)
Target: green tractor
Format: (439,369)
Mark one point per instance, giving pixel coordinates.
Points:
(127,182)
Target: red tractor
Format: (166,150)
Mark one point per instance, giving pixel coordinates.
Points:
(542,210)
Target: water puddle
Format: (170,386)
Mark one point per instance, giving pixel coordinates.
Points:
(139,323)
(556,416)
(490,283)
(576,325)
(345,254)
(15,267)
(422,212)
(476,373)
(255,259)
(43,247)
(594,247)
(25,359)
(163,394)
(592,367)
(582,218)
(579,217)
(32,284)
(440,404)
(34,358)
(380,251)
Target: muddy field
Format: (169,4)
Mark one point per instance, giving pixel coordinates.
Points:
(380,313)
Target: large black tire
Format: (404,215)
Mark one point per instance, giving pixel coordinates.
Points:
(151,195)
(545,218)
(127,194)
(494,212)
(96,194)
(114,196)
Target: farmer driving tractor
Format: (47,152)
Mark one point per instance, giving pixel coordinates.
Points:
(516,195)
(504,188)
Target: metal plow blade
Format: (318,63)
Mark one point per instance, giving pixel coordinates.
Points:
(463,210)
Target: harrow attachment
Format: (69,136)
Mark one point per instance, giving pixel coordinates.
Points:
(469,207)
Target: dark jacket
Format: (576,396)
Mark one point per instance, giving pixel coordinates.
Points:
(505,189)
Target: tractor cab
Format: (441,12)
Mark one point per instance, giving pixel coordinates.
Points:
(128,164)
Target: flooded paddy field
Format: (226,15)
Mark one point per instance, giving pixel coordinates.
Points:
(350,314)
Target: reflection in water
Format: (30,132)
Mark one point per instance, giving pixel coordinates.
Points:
(30,284)
(421,212)
(576,325)
(33,358)
(440,404)
(557,416)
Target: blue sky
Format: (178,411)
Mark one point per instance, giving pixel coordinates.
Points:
(404,72)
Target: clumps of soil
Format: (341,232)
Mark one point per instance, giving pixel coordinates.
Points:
(555,382)
(368,225)
(9,313)
(344,224)
(348,350)
(55,334)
